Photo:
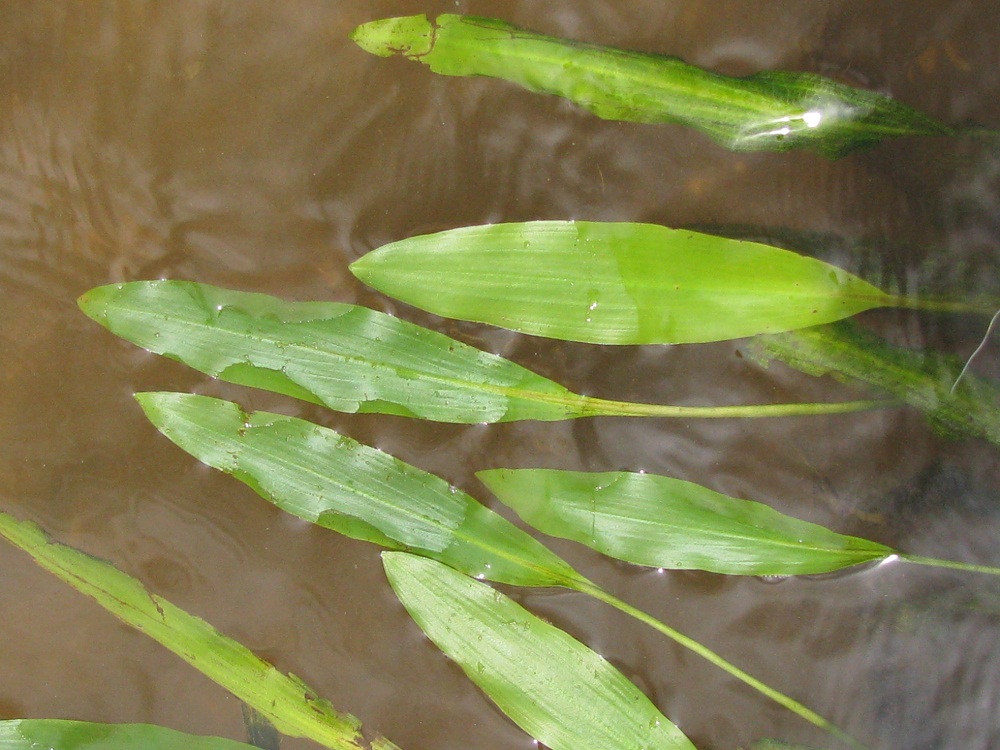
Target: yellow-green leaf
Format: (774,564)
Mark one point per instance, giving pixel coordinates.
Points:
(670,523)
(287,702)
(333,481)
(615,283)
(555,688)
(342,356)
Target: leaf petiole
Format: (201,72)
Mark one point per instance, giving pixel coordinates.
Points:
(706,653)
(949,564)
(605,407)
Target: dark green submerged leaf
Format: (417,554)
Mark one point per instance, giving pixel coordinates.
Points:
(922,379)
(60,734)
(333,481)
(554,687)
(669,523)
(615,283)
(773,111)
(354,359)
(287,702)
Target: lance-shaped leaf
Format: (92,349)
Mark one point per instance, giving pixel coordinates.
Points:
(343,356)
(773,111)
(926,380)
(287,702)
(333,481)
(552,686)
(60,734)
(669,523)
(354,359)
(615,283)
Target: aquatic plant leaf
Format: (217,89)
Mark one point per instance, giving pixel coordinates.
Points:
(555,688)
(923,379)
(614,283)
(287,702)
(343,356)
(61,734)
(669,523)
(338,483)
(771,110)
(354,359)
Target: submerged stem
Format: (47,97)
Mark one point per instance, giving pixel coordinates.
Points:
(605,407)
(944,305)
(706,653)
(951,564)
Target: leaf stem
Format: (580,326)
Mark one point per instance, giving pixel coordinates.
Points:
(980,132)
(945,305)
(706,653)
(593,406)
(951,564)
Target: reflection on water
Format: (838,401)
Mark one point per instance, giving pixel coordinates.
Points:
(251,145)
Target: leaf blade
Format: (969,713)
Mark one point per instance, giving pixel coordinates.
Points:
(62,734)
(333,481)
(551,685)
(346,357)
(772,110)
(287,702)
(614,283)
(664,522)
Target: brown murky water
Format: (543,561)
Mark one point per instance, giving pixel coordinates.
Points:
(252,145)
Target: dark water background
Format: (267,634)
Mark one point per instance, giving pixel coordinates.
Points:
(252,145)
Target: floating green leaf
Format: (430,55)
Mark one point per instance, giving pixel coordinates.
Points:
(923,379)
(552,686)
(772,111)
(669,523)
(287,702)
(343,356)
(60,734)
(664,522)
(354,359)
(615,283)
(333,481)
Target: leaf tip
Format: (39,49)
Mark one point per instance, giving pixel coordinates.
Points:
(151,399)
(162,407)
(95,303)
(411,36)
(361,268)
(490,477)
